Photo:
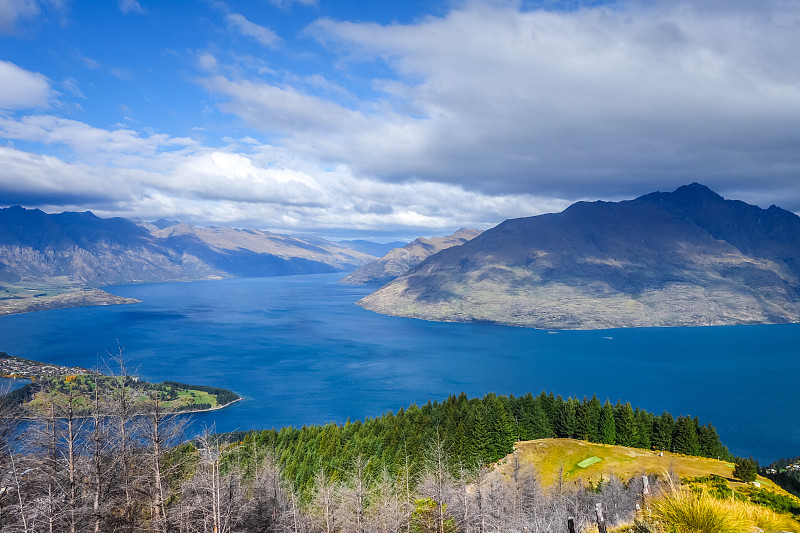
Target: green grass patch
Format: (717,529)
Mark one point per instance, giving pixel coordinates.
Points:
(589,462)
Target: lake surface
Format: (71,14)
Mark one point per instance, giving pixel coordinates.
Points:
(300,352)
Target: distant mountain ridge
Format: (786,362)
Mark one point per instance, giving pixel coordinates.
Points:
(685,258)
(400,260)
(92,251)
(372,248)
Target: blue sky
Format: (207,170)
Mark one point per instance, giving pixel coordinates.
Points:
(392,119)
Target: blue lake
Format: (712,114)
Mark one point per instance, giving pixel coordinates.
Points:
(300,352)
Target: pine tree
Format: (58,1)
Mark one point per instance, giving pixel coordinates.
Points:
(502,429)
(684,437)
(591,413)
(644,425)
(479,435)
(608,430)
(525,416)
(746,469)
(625,425)
(663,427)
(710,446)
(549,405)
(566,420)
(540,425)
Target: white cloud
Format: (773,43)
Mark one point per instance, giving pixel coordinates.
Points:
(501,100)
(286,4)
(123,172)
(207,62)
(228,176)
(13,10)
(485,113)
(86,140)
(22,89)
(71,85)
(44,178)
(265,36)
(130,6)
(122,73)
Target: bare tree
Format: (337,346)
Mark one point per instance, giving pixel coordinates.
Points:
(353,497)
(482,501)
(325,502)
(10,490)
(217,498)
(437,483)
(103,467)
(21,504)
(122,409)
(270,507)
(71,438)
(388,512)
(159,429)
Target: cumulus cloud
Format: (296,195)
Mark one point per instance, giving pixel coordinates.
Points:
(22,89)
(84,139)
(487,112)
(502,100)
(34,179)
(125,173)
(265,36)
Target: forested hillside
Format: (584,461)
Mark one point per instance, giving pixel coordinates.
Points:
(422,469)
(475,431)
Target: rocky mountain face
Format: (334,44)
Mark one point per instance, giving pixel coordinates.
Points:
(686,258)
(400,260)
(90,251)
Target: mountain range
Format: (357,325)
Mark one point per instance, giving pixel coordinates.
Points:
(400,260)
(48,255)
(685,258)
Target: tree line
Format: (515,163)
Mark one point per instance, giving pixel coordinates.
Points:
(422,469)
(475,430)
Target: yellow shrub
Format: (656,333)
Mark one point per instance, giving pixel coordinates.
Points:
(684,511)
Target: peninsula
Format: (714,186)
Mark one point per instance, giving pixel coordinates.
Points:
(54,385)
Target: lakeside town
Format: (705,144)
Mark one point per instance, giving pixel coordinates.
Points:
(19,368)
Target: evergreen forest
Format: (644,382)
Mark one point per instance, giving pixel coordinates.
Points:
(422,469)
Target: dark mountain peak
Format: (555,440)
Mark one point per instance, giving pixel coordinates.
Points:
(696,190)
(693,194)
(15,211)
(162,223)
(76,216)
(687,257)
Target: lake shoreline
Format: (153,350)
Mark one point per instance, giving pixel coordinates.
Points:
(301,352)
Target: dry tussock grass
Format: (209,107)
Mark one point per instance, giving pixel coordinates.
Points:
(683,511)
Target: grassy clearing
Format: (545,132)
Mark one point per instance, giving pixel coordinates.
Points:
(554,457)
(193,397)
(710,501)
